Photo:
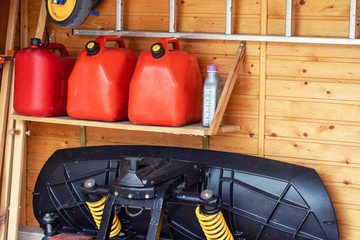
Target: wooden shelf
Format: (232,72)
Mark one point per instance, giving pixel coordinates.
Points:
(191,129)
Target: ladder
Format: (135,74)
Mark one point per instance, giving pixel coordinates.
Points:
(228,35)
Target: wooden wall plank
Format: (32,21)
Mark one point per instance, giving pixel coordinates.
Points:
(325,131)
(294,148)
(313,110)
(313,69)
(312,107)
(314,89)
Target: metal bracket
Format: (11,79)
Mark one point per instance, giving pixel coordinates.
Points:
(7,57)
(206,142)
(82,136)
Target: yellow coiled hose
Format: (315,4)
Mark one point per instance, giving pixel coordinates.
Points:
(214,226)
(96,209)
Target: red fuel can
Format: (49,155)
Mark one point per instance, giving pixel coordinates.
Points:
(99,83)
(166,88)
(41,78)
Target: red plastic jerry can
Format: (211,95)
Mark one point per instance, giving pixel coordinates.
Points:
(166,88)
(99,83)
(41,79)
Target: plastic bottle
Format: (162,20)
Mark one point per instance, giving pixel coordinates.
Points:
(211,93)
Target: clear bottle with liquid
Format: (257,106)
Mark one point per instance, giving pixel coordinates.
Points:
(211,94)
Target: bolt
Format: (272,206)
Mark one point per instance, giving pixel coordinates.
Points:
(195,166)
(152,182)
(90,183)
(207,194)
(147,196)
(116,194)
(129,196)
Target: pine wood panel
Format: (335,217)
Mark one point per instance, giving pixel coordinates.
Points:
(347,155)
(325,131)
(297,108)
(318,8)
(313,50)
(311,101)
(328,171)
(313,69)
(313,89)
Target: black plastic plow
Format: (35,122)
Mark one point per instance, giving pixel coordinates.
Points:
(154,192)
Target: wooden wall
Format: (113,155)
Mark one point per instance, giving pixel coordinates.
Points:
(297,103)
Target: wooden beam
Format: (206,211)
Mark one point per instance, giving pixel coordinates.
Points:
(262,83)
(41,21)
(7,173)
(16,180)
(6,75)
(24,24)
(229,86)
(24,42)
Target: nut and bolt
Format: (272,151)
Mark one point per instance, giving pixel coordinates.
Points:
(90,183)
(207,194)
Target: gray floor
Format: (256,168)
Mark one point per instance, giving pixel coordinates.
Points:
(30,233)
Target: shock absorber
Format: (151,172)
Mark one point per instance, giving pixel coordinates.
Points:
(212,222)
(97,209)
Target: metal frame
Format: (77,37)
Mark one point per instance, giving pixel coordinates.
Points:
(288,18)
(288,38)
(352,20)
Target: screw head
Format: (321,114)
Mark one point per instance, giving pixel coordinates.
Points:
(147,196)
(207,194)
(90,183)
(116,194)
(129,196)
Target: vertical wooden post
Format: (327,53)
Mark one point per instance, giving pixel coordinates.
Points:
(4,108)
(6,177)
(6,75)
(18,161)
(39,33)
(24,42)
(262,84)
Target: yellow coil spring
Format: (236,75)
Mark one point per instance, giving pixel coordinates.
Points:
(96,209)
(214,226)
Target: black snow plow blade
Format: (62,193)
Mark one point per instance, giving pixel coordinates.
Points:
(150,192)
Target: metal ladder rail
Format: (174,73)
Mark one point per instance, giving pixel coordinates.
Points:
(228,35)
(352,18)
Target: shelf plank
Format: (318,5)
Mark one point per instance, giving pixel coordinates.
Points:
(192,129)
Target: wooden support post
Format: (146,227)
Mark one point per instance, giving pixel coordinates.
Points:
(6,177)
(16,180)
(24,42)
(4,124)
(24,24)
(6,75)
(229,86)
(16,143)
(39,33)
(262,84)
